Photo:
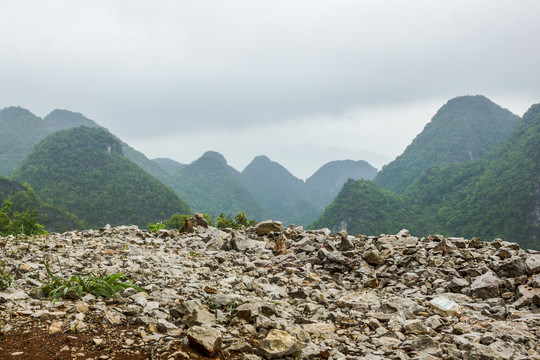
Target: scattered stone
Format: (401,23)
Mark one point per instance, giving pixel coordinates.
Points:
(278,344)
(272,292)
(205,339)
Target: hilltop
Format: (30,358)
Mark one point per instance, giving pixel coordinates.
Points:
(465,129)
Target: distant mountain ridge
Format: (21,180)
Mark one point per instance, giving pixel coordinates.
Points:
(289,199)
(211,186)
(281,194)
(325,183)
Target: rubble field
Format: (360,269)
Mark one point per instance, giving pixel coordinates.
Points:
(269,292)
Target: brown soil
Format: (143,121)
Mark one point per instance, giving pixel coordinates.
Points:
(33,340)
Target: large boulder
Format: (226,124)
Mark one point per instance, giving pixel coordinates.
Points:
(268,226)
(485,286)
(205,339)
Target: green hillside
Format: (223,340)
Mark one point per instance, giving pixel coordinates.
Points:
(325,183)
(211,186)
(23,198)
(495,196)
(363,207)
(464,129)
(169,165)
(279,192)
(83,170)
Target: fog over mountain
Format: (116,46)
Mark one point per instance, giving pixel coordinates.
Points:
(296,81)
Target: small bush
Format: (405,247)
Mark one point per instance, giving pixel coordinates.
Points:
(225,221)
(155,227)
(15,223)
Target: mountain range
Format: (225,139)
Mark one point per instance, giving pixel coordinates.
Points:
(495,192)
(263,190)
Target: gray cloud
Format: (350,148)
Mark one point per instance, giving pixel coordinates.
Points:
(143,68)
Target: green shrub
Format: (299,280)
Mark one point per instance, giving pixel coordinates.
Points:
(225,221)
(176,221)
(15,223)
(155,227)
(107,286)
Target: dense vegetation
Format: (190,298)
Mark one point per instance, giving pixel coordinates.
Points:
(362,207)
(325,183)
(169,165)
(494,196)
(211,186)
(25,204)
(222,189)
(279,192)
(464,129)
(84,171)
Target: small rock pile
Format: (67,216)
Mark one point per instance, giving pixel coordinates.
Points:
(269,292)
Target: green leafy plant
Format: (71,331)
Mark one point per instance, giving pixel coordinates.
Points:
(156,227)
(107,286)
(5,277)
(122,256)
(211,305)
(233,305)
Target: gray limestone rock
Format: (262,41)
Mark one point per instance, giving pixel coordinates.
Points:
(279,344)
(205,339)
(485,286)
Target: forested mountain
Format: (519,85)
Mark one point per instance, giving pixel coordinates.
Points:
(280,193)
(23,198)
(325,183)
(169,165)
(363,207)
(464,129)
(497,195)
(64,119)
(20,130)
(84,171)
(210,185)
(288,199)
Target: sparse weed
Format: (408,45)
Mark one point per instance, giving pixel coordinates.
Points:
(211,305)
(234,305)
(5,277)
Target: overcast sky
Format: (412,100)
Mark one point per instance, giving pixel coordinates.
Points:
(303,82)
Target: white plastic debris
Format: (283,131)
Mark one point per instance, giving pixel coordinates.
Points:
(445,307)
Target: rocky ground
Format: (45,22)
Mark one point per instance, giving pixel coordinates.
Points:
(275,293)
